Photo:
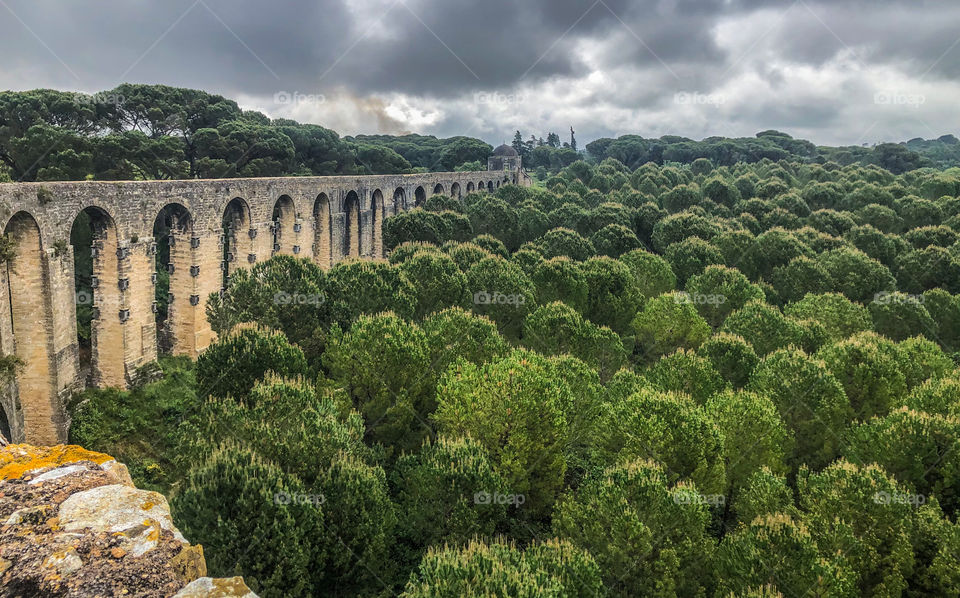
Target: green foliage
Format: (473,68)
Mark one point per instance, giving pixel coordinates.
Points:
(514,408)
(565,242)
(719,290)
(868,368)
(919,449)
(501,291)
(557,329)
(383,364)
(731,356)
(613,240)
(754,437)
(385,288)
(862,515)
(778,550)
(561,279)
(284,293)
(667,428)
(416,225)
(810,400)
(920,359)
(857,275)
(438,282)
(668,323)
(455,333)
(686,372)
(900,316)
(553,568)
(839,316)
(237,503)
(236,362)
(651,273)
(764,493)
(612,298)
(442,492)
(690,257)
(139,427)
(658,546)
(764,327)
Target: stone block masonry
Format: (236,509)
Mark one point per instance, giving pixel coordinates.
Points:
(228,224)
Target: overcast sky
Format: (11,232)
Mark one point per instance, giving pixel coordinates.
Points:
(832,71)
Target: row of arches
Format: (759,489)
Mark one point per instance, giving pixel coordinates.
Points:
(134,298)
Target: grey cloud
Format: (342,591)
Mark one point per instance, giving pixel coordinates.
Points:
(441,52)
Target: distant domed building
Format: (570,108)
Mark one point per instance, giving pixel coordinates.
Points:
(504,158)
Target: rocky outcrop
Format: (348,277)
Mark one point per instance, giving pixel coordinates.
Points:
(73,524)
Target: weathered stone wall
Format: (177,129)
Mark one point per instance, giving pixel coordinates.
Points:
(321,218)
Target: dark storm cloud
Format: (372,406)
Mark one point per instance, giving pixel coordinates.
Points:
(440,53)
(435,48)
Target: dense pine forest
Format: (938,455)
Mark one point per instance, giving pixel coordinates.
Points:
(675,368)
(136,131)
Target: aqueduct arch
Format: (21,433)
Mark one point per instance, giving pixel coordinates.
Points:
(284,226)
(351,237)
(160,244)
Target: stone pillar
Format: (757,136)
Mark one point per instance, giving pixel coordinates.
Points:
(338,239)
(196,261)
(106,329)
(302,243)
(28,303)
(66,349)
(366,234)
(140,327)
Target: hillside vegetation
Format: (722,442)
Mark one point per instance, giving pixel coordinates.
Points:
(697,380)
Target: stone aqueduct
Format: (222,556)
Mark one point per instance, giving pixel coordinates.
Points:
(325,219)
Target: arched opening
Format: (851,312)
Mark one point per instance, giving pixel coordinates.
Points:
(419,197)
(470,187)
(376,223)
(101,310)
(438,189)
(321,231)
(399,200)
(5,432)
(490,186)
(173,234)
(28,299)
(480,186)
(351,232)
(237,238)
(498,184)
(284,219)
(455,190)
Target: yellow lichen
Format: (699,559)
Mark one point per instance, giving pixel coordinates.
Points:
(18,459)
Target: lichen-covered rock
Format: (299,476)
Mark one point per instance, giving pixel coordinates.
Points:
(73,524)
(137,516)
(225,587)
